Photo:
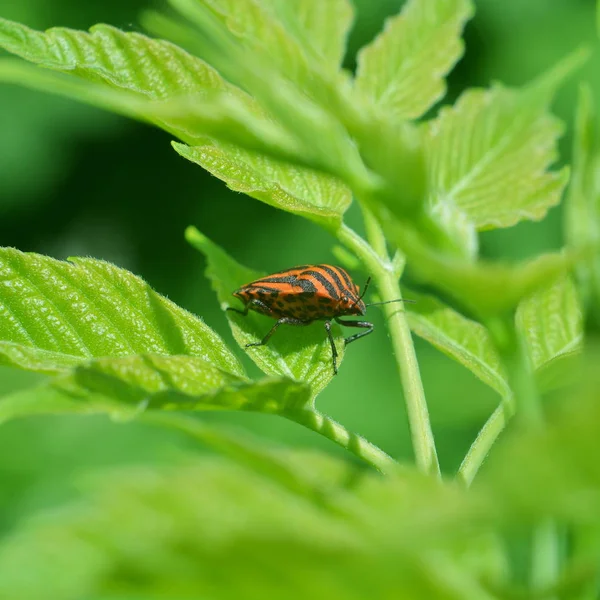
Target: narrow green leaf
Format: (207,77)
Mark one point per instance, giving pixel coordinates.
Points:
(55,314)
(488,156)
(551,322)
(464,340)
(295,189)
(300,353)
(124,60)
(402,72)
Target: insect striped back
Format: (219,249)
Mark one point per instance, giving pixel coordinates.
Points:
(304,294)
(307,292)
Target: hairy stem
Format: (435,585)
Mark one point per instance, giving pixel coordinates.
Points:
(386,280)
(337,433)
(484,441)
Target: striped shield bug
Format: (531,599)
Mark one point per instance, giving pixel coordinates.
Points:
(305,294)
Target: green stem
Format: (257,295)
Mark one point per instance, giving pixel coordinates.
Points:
(332,430)
(545,552)
(484,441)
(545,558)
(387,283)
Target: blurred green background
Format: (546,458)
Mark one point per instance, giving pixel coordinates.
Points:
(77,181)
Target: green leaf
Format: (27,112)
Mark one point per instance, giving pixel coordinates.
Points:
(550,319)
(127,61)
(487,289)
(298,37)
(488,155)
(554,471)
(319,26)
(56,314)
(582,215)
(300,191)
(320,110)
(300,353)
(128,386)
(464,340)
(312,475)
(551,322)
(127,73)
(209,528)
(402,72)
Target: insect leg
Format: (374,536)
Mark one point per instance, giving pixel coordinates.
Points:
(237,310)
(368,326)
(254,302)
(334,353)
(282,321)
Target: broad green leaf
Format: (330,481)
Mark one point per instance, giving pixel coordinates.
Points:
(128,386)
(551,322)
(312,475)
(124,60)
(488,155)
(464,340)
(582,215)
(127,73)
(55,314)
(302,39)
(256,24)
(295,189)
(211,529)
(41,400)
(300,353)
(554,471)
(321,115)
(320,26)
(401,73)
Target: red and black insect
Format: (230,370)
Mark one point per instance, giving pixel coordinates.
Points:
(302,295)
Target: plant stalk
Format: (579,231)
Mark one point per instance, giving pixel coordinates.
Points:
(386,280)
(332,430)
(484,441)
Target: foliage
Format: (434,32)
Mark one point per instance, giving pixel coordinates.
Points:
(254,91)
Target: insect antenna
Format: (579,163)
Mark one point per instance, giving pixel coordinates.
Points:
(363,292)
(390,301)
(379,303)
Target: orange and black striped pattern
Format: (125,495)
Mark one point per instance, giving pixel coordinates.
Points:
(306,293)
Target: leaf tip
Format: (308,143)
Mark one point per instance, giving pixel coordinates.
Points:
(194,237)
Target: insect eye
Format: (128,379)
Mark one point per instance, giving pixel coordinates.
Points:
(344,299)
